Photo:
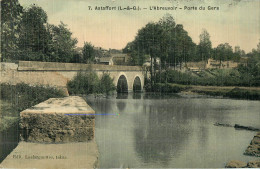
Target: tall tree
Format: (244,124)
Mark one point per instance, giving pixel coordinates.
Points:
(34,36)
(168,39)
(223,52)
(11,12)
(88,53)
(63,45)
(205,45)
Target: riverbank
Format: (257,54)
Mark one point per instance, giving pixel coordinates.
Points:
(250,93)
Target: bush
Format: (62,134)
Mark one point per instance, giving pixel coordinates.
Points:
(219,77)
(244,94)
(89,83)
(167,88)
(106,84)
(23,96)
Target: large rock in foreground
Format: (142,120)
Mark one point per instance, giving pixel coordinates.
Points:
(58,120)
(254,148)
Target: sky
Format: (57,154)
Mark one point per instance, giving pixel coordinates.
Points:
(237,22)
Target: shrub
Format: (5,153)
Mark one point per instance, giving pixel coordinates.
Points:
(243,93)
(23,96)
(218,77)
(106,84)
(89,83)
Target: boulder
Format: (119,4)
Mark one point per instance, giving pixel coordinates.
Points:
(58,120)
(253,164)
(254,148)
(236,164)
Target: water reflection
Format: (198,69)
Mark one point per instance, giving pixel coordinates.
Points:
(137,95)
(122,96)
(169,131)
(159,138)
(121,105)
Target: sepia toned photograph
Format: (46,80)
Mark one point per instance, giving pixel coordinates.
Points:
(129,84)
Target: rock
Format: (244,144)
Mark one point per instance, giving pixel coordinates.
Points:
(237,126)
(58,120)
(253,164)
(254,148)
(222,124)
(236,164)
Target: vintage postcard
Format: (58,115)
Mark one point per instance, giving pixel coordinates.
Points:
(130,84)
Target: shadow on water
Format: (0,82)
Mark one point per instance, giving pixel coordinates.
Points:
(9,139)
(160,138)
(122,96)
(137,95)
(121,105)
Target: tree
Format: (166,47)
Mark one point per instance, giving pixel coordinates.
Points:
(34,36)
(62,47)
(163,40)
(168,38)
(258,47)
(223,52)
(205,45)
(88,52)
(238,53)
(11,12)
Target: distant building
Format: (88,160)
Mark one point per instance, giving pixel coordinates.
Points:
(120,58)
(211,64)
(106,61)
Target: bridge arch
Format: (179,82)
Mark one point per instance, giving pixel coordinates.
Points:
(137,84)
(122,84)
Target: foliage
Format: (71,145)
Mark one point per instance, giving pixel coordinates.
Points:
(88,83)
(243,93)
(221,77)
(33,35)
(106,84)
(11,12)
(167,88)
(223,52)
(23,96)
(26,35)
(88,53)
(7,121)
(163,40)
(62,45)
(205,45)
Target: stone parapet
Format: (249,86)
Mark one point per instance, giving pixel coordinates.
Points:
(58,120)
(57,66)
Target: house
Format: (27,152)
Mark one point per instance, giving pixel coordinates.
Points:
(106,61)
(120,58)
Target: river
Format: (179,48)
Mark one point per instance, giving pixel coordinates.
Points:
(172,131)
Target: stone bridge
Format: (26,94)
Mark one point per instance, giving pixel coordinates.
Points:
(126,78)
